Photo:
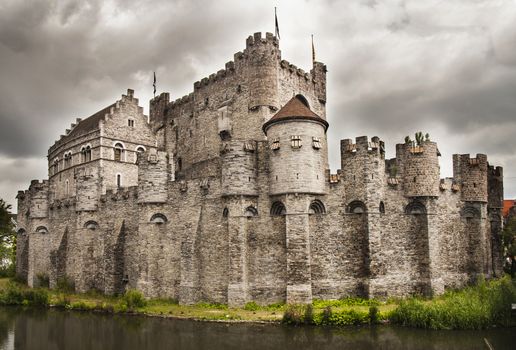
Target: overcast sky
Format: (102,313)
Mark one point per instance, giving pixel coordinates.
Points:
(395,67)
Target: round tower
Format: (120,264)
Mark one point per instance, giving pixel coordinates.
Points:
(421,169)
(263,57)
(297,140)
(239,166)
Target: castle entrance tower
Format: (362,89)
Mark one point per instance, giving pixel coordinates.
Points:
(297,140)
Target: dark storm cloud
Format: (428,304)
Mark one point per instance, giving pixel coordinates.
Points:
(395,67)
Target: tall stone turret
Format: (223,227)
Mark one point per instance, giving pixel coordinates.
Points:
(363,170)
(38,207)
(420,169)
(263,58)
(297,140)
(471,174)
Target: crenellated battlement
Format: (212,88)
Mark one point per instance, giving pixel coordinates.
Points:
(120,194)
(471,174)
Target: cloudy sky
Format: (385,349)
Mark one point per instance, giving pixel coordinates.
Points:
(395,67)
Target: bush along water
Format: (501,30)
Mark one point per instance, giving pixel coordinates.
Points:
(480,306)
(296,314)
(14,295)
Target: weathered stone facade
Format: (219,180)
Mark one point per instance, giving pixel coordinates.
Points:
(226,195)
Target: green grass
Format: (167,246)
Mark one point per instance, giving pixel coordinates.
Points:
(481,306)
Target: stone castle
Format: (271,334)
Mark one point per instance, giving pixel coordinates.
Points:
(225,195)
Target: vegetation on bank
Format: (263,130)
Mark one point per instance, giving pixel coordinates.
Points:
(481,306)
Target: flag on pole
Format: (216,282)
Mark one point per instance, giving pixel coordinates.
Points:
(154,84)
(276,23)
(313,49)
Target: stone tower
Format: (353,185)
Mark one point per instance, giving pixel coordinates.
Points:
(297,171)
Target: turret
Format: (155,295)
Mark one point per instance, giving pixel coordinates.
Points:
(495,187)
(263,57)
(157,110)
(239,168)
(297,140)
(38,191)
(471,174)
(318,73)
(363,168)
(420,168)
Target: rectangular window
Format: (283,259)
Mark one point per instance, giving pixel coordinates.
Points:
(249,147)
(296,141)
(316,143)
(130,122)
(275,145)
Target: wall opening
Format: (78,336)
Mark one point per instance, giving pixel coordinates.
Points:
(278,209)
(317,207)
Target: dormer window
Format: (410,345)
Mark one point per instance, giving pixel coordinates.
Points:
(316,143)
(296,141)
(130,122)
(275,145)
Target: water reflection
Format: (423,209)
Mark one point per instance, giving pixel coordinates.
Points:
(52,329)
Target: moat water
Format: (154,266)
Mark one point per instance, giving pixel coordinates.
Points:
(54,329)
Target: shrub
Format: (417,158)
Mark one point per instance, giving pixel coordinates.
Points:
(63,301)
(326,316)
(373,314)
(65,284)
(252,306)
(42,280)
(134,299)
(309,314)
(206,305)
(294,314)
(14,295)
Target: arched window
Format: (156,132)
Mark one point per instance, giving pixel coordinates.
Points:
(86,153)
(415,208)
(316,207)
(225,213)
(119,152)
(42,229)
(91,225)
(470,213)
(251,211)
(68,159)
(21,231)
(381,209)
(140,149)
(356,207)
(278,209)
(55,166)
(158,219)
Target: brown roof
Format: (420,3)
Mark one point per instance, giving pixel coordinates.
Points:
(89,124)
(507,205)
(294,109)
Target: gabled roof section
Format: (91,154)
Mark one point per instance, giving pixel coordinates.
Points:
(295,109)
(89,124)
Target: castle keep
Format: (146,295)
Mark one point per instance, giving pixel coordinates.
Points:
(225,195)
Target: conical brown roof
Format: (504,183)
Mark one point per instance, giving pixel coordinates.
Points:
(294,109)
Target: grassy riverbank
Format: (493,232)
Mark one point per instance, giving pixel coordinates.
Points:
(484,305)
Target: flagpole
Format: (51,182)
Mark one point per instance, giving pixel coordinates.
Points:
(313,50)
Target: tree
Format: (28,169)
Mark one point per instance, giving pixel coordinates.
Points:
(509,243)
(7,240)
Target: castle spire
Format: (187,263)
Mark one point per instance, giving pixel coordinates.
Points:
(276,24)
